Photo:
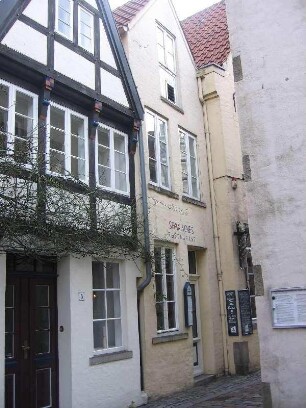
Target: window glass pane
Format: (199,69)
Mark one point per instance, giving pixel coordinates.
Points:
(77,147)
(64,29)
(42,295)
(43,388)
(160,36)
(160,316)
(119,143)
(24,104)
(99,334)
(104,176)
(162,131)
(170,287)
(57,162)
(157,257)
(77,126)
(98,275)
(120,181)
(64,16)
(85,31)
(114,333)
(4,96)
(9,320)
(57,118)
(42,318)
(104,156)
(85,42)
(103,136)
(85,17)
(192,262)
(21,151)
(113,303)
(3,120)
(164,176)
(9,296)
(193,167)
(161,54)
(171,315)
(42,342)
(163,154)
(57,139)
(78,168)
(9,345)
(151,144)
(195,191)
(159,287)
(150,125)
(192,146)
(99,311)
(120,163)
(10,388)
(112,276)
(23,127)
(168,261)
(152,168)
(65,4)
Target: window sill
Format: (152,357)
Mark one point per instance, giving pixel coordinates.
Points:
(193,201)
(165,338)
(172,104)
(163,191)
(109,357)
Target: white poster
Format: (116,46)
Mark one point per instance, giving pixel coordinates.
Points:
(288,307)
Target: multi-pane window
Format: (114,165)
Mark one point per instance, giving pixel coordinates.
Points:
(158,150)
(67,143)
(165,289)
(112,159)
(166,59)
(85,32)
(18,123)
(64,24)
(190,177)
(64,18)
(107,327)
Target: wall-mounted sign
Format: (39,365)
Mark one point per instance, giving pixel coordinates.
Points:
(188,305)
(288,307)
(245,312)
(181,231)
(231,308)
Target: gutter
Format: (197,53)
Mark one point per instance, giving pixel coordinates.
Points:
(215,230)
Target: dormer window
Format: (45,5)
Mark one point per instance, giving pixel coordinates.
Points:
(167,65)
(85,26)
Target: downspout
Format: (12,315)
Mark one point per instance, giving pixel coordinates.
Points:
(215,229)
(148,266)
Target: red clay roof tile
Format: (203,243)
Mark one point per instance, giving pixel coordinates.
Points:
(207,35)
(125,13)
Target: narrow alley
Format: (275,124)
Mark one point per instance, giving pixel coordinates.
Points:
(225,392)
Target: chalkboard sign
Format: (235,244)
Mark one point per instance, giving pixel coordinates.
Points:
(232,320)
(245,312)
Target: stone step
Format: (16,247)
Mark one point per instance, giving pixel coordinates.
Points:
(204,379)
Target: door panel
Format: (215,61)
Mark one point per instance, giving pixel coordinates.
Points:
(31,342)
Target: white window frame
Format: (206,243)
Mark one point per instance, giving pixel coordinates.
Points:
(11,121)
(187,136)
(67,132)
(112,160)
(122,318)
(164,288)
(71,20)
(91,49)
(165,68)
(157,150)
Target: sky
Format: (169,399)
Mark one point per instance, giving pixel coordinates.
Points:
(184,8)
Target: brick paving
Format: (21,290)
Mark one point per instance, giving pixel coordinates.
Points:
(225,392)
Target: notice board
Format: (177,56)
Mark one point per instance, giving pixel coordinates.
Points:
(231,308)
(288,307)
(245,312)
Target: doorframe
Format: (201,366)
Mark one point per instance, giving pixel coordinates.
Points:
(8,260)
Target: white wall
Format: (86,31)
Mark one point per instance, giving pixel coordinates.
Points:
(272,113)
(109,385)
(2,324)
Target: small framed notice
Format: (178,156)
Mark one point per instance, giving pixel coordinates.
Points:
(288,307)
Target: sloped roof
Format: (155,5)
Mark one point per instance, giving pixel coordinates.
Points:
(207,35)
(124,14)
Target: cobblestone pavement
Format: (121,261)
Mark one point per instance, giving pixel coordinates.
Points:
(225,392)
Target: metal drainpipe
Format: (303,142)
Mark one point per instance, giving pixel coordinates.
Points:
(148,277)
(215,230)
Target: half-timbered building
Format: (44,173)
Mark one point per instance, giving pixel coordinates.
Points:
(68,115)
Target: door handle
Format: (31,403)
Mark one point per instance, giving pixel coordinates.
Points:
(25,347)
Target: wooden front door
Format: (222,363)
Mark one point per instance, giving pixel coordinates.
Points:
(30,341)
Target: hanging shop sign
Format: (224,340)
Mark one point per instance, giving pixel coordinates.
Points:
(245,312)
(231,308)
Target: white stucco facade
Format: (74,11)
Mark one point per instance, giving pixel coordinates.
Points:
(272,110)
